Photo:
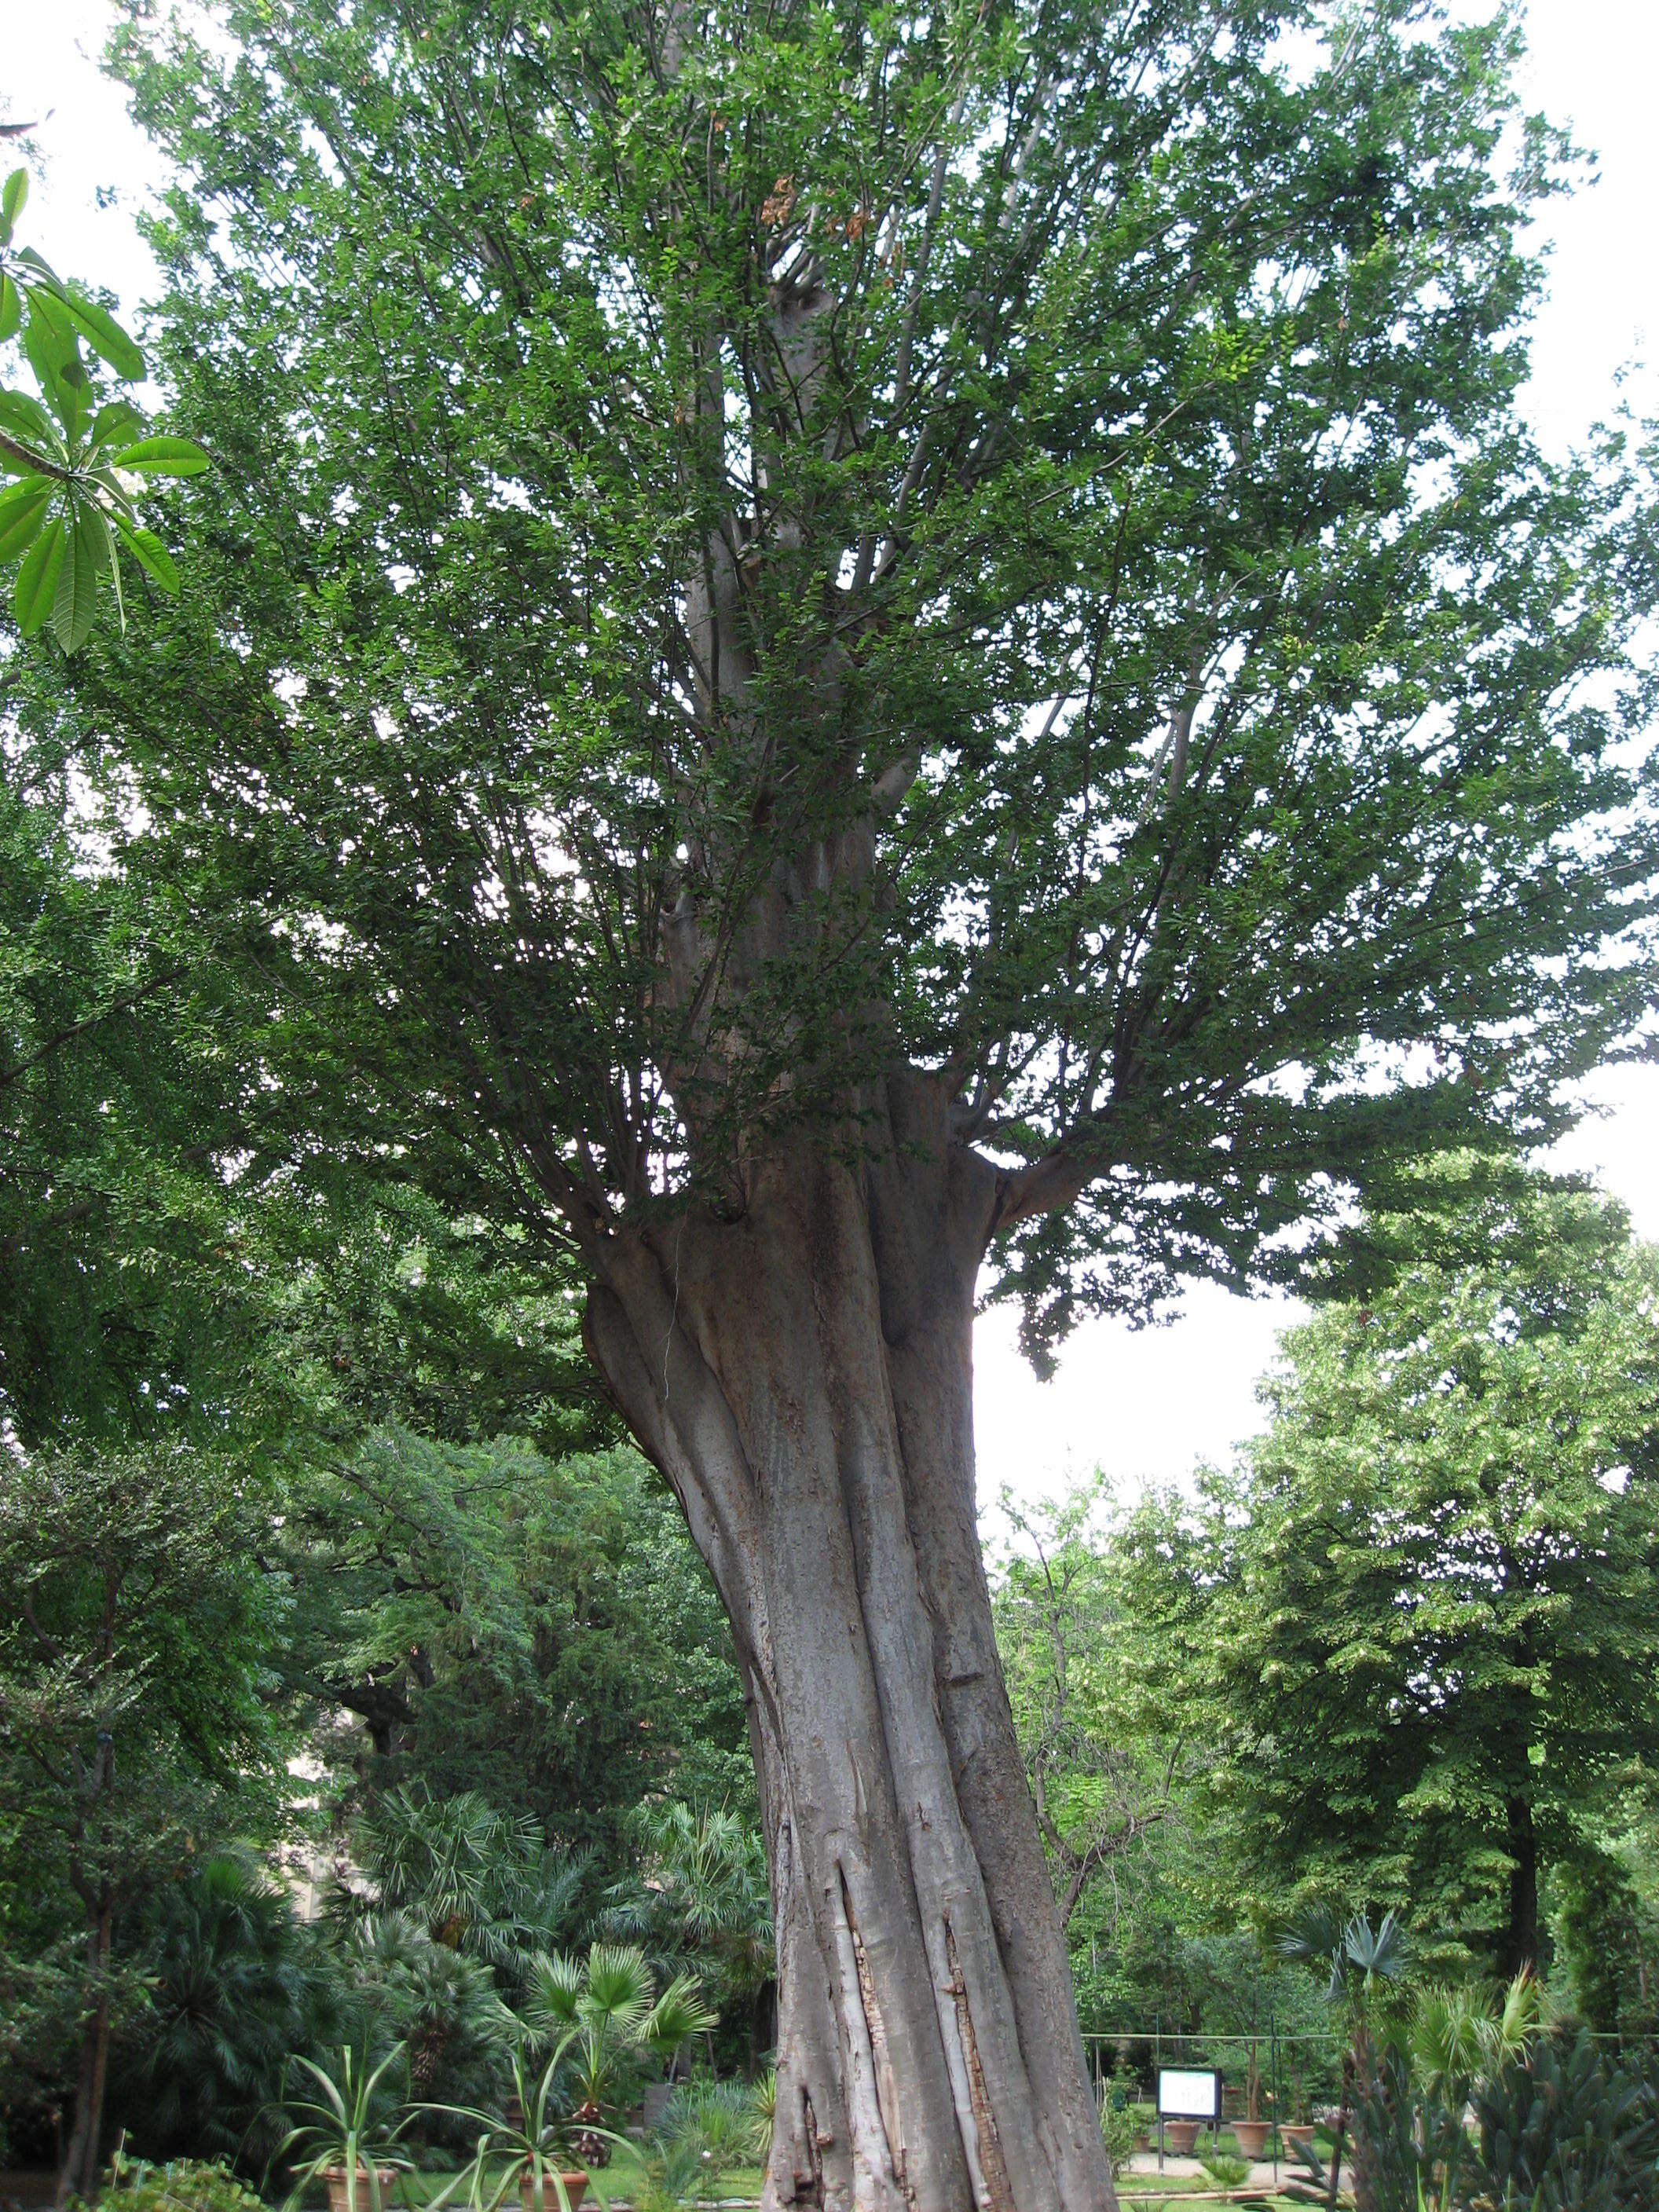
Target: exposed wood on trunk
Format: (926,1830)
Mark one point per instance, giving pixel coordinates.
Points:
(994,2193)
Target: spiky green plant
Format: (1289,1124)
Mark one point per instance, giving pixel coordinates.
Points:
(345,2126)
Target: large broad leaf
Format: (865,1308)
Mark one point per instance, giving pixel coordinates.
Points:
(116,418)
(11,202)
(76,601)
(37,579)
(147,551)
(164,456)
(104,335)
(22,511)
(26,420)
(11,309)
(50,343)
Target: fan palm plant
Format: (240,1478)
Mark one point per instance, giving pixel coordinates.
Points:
(603,2016)
(1360,1961)
(232,1991)
(475,1879)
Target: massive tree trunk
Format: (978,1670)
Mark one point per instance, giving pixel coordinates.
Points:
(801,1372)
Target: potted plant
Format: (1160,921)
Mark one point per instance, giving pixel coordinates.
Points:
(1298,2132)
(1250,2133)
(527,2148)
(1181,2136)
(343,2134)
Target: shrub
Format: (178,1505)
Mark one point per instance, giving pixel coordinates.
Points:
(184,2185)
(1120,2126)
(1225,2170)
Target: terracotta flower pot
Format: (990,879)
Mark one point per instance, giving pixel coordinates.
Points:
(1181,2136)
(1301,2132)
(336,2177)
(575,2188)
(1251,2136)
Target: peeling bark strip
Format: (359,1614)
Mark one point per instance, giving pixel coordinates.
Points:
(887,2096)
(999,2196)
(801,1369)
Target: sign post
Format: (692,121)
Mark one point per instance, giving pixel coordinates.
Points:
(1185,2094)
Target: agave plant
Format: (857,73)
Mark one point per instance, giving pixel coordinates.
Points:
(344,2127)
(529,2152)
(602,2016)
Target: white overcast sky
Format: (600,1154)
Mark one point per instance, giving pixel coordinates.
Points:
(1145,1406)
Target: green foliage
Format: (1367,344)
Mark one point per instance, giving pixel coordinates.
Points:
(82,460)
(233,1989)
(1226,2171)
(698,1895)
(1120,2124)
(134,1621)
(1419,1621)
(603,2016)
(345,2123)
(475,1880)
(538,1632)
(1155,547)
(1105,1760)
(1563,2128)
(721,2124)
(182,2185)
(1572,2130)
(398,1987)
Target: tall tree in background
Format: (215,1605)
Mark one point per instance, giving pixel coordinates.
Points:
(1422,1620)
(1103,1758)
(834,644)
(133,1627)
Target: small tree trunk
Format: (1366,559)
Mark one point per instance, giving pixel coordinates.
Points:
(79,2176)
(803,1376)
(1523,1931)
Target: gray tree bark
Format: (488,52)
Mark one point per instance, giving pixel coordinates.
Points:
(801,1373)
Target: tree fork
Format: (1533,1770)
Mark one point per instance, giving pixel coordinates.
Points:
(802,1377)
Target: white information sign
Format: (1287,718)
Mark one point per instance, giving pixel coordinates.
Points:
(1188,2096)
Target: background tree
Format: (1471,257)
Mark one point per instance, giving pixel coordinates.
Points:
(1422,1617)
(132,1629)
(833,642)
(1104,1763)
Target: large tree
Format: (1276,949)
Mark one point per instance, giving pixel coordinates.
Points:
(1422,1619)
(833,644)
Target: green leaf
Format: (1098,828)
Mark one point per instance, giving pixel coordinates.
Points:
(147,551)
(76,601)
(11,309)
(11,203)
(22,510)
(165,457)
(50,343)
(104,335)
(37,579)
(24,418)
(116,418)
